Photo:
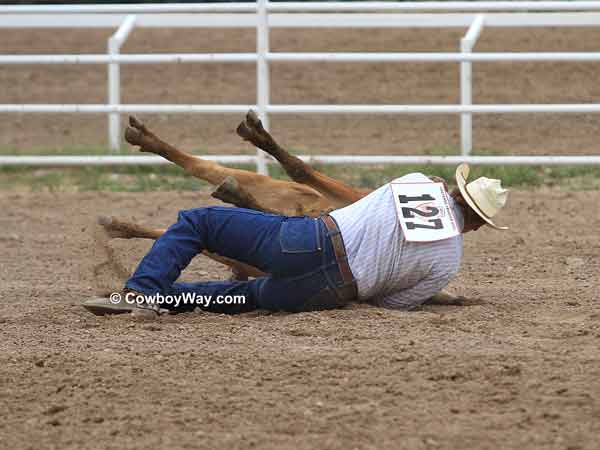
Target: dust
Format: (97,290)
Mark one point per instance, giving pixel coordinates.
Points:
(109,273)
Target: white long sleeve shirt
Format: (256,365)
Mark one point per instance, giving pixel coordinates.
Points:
(390,271)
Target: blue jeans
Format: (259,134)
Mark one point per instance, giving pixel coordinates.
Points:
(296,252)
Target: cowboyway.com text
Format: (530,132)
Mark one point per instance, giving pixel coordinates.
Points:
(186,298)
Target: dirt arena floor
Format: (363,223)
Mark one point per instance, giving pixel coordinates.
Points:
(307,83)
(516,367)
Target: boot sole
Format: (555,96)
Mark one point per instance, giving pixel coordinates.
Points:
(102,307)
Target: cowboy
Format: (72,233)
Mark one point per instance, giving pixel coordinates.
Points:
(363,252)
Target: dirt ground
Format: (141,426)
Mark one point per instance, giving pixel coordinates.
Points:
(330,83)
(516,368)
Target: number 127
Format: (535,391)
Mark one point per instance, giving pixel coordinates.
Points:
(436,224)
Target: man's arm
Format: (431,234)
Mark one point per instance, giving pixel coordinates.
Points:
(416,295)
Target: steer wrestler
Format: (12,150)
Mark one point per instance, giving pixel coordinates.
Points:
(357,253)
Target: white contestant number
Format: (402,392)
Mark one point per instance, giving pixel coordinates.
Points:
(424,211)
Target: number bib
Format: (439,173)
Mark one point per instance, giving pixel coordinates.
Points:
(424,212)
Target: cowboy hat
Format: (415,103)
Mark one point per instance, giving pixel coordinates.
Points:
(486,196)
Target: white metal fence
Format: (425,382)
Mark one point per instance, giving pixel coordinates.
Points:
(262,15)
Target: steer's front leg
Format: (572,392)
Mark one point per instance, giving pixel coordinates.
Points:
(138,134)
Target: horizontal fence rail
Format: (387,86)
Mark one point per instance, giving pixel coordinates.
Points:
(302,20)
(264,15)
(182,58)
(311,6)
(305,109)
(74,161)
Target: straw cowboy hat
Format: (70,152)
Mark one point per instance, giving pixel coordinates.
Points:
(486,196)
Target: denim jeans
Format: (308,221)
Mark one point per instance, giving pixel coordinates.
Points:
(296,252)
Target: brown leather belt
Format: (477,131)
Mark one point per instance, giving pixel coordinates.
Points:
(348,291)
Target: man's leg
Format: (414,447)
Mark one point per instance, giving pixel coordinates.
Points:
(249,236)
(310,291)
(223,297)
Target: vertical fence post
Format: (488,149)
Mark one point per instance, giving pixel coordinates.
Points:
(262,76)
(466,84)
(114,98)
(114,81)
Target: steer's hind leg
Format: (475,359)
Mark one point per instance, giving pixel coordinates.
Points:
(337,192)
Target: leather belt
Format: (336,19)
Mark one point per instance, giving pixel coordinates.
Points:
(348,291)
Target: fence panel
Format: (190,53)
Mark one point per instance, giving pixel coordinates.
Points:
(262,15)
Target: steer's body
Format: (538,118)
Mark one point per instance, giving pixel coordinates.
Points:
(283,197)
